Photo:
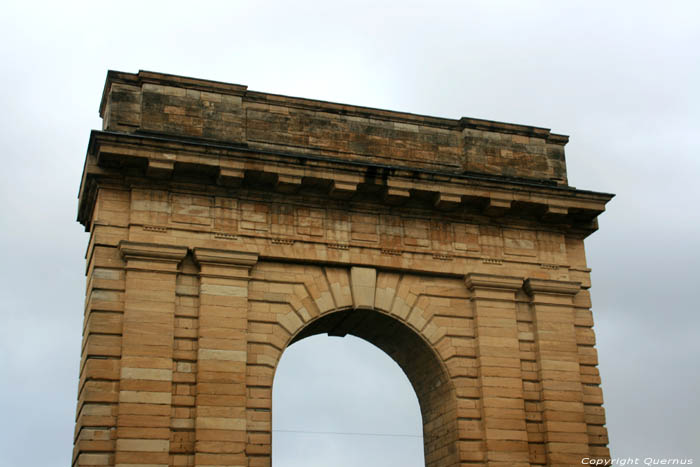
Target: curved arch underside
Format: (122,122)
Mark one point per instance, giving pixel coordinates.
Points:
(426,373)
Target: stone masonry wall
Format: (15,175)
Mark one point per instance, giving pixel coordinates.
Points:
(148,387)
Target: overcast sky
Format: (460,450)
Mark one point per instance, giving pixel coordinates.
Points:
(621,78)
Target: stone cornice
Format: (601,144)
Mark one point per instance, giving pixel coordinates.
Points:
(489,281)
(110,153)
(534,286)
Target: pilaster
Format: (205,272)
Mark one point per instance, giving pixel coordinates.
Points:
(498,357)
(98,393)
(563,416)
(221,422)
(145,385)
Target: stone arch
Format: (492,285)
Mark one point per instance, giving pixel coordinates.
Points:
(381,308)
(419,361)
(483,262)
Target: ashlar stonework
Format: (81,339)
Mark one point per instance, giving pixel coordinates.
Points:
(226,224)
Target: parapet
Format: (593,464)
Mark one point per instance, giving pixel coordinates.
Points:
(162,104)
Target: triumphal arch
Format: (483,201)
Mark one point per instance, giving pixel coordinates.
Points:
(226,224)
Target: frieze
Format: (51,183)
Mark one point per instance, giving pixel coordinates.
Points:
(392,234)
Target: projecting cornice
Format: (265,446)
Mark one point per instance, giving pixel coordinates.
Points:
(112,156)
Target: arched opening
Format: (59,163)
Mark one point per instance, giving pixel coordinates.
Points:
(343,402)
(421,366)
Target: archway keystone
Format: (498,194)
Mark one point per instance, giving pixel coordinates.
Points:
(363,283)
(227,224)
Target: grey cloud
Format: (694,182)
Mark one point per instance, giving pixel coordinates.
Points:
(620,78)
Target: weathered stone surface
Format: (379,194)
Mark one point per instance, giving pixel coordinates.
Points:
(226,224)
(151,102)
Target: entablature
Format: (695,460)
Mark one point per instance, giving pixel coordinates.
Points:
(118,157)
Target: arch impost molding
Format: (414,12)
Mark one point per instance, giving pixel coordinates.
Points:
(492,281)
(545,286)
(228,263)
(228,257)
(151,256)
(491,286)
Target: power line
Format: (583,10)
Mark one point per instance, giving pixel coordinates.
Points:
(345,433)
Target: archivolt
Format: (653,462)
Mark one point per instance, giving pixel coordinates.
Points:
(389,310)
